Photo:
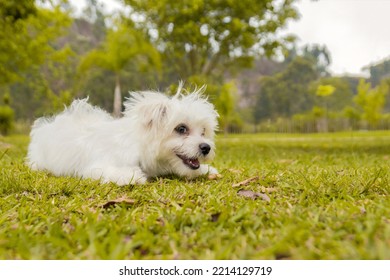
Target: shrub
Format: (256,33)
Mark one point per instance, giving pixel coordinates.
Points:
(6,119)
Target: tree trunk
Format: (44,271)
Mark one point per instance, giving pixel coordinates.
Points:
(117,112)
(210,64)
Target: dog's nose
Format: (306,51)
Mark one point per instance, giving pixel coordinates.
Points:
(205,148)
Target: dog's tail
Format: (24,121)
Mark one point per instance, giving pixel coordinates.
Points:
(81,110)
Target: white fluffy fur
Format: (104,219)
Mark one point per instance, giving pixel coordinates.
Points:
(87,142)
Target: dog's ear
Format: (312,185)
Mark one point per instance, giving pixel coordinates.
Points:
(155,115)
(150,109)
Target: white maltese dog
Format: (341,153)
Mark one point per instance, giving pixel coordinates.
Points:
(157,135)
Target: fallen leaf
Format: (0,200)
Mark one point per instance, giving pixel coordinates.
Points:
(387,221)
(264,197)
(163,201)
(245,182)
(110,203)
(268,190)
(214,217)
(161,221)
(253,195)
(214,176)
(237,171)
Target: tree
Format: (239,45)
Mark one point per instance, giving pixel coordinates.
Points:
(323,91)
(317,54)
(121,46)
(6,115)
(371,101)
(222,95)
(341,96)
(286,93)
(225,105)
(332,94)
(208,38)
(28,45)
(320,55)
(379,71)
(25,33)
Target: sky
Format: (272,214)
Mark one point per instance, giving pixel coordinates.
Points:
(356,32)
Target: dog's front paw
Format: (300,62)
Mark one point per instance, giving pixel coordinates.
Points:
(130,180)
(125,176)
(208,170)
(213,174)
(212,171)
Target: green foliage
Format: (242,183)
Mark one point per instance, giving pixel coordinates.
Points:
(371,101)
(44,86)
(6,99)
(12,11)
(325,90)
(318,112)
(25,36)
(210,37)
(122,46)
(6,119)
(341,96)
(7,115)
(48,58)
(63,99)
(329,192)
(224,98)
(379,71)
(225,105)
(353,116)
(318,55)
(34,65)
(321,57)
(286,93)
(325,113)
(386,82)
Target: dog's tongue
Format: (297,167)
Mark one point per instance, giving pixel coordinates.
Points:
(193,163)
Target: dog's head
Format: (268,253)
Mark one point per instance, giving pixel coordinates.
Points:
(179,130)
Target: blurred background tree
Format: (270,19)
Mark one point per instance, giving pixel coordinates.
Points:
(371,101)
(256,75)
(210,37)
(122,46)
(25,36)
(7,115)
(287,92)
(212,40)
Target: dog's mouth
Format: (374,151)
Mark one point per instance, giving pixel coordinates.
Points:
(192,163)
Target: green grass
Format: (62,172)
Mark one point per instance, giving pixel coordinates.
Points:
(329,200)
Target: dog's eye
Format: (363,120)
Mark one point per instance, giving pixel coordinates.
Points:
(181,129)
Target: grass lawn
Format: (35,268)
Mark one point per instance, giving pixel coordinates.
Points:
(329,199)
